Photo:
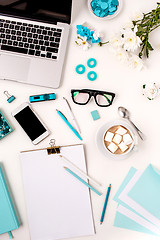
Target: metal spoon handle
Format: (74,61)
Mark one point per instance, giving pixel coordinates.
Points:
(141,135)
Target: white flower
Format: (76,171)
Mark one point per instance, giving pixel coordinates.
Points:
(135,62)
(130,40)
(135,29)
(150,90)
(138,16)
(121,54)
(82,41)
(129,24)
(96,35)
(116,40)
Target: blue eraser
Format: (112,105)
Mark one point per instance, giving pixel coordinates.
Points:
(95,115)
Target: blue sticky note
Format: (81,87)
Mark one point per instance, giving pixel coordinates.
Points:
(95,115)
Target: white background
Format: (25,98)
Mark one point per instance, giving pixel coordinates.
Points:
(112,76)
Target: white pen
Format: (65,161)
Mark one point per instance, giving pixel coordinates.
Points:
(79,170)
(72,115)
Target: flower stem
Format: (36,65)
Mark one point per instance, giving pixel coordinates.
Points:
(100,43)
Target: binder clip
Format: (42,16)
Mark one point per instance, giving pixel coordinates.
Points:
(53,149)
(9,97)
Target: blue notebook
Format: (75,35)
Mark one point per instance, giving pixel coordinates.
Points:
(8,218)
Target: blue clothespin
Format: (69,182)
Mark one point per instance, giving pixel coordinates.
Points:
(11,98)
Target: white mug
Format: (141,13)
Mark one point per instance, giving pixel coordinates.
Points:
(103,148)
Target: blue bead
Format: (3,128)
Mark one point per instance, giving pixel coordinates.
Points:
(91,60)
(80,69)
(90,77)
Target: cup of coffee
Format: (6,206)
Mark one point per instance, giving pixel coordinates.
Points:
(117,139)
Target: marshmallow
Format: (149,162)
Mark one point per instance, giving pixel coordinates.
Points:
(112,147)
(121,131)
(127,139)
(117,138)
(109,137)
(123,146)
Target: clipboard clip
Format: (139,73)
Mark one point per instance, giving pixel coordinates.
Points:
(53,149)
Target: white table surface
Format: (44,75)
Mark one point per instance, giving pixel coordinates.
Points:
(112,76)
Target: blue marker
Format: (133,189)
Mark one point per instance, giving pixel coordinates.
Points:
(69,125)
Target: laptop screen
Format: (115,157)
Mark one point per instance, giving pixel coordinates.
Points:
(50,11)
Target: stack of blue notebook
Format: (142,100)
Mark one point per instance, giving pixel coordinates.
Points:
(8,218)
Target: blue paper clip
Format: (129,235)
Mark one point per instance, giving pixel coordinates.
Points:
(11,98)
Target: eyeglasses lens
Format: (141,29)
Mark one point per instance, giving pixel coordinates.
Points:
(80,97)
(104,99)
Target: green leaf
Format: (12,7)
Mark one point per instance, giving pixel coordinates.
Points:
(149,46)
(147,52)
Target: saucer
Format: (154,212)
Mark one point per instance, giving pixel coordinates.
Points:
(102,147)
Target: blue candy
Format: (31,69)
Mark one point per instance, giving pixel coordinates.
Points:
(97,12)
(115,2)
(104,5)
(112,9)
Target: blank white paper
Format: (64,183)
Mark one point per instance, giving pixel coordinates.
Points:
(58,205)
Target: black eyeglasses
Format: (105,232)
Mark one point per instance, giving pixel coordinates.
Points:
(82,97)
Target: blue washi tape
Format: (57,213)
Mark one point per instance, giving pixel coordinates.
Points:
(80,69)
(92,75)
(91,62)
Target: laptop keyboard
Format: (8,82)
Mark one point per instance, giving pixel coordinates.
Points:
(29,39)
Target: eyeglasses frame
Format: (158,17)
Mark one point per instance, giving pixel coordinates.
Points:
(92,93)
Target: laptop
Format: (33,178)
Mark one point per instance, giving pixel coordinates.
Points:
(33,40)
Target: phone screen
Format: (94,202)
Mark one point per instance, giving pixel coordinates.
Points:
(30,123)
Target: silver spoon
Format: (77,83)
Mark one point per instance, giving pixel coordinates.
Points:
(123,112)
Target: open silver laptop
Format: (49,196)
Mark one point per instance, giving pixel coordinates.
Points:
(33,40)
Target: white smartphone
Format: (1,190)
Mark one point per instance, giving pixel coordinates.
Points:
(30,123)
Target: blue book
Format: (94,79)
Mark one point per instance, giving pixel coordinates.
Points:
(8,218)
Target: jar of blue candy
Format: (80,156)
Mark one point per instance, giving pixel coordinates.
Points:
(105,9)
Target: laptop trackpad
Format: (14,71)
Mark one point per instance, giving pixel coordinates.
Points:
(14,67)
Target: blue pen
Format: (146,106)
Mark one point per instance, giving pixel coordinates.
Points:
(81,180)
(69,125)
(105,204)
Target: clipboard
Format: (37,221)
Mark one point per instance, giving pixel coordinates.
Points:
(58,206)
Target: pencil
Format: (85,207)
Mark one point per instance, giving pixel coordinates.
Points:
(105,204)
(80,171)
(81,180)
